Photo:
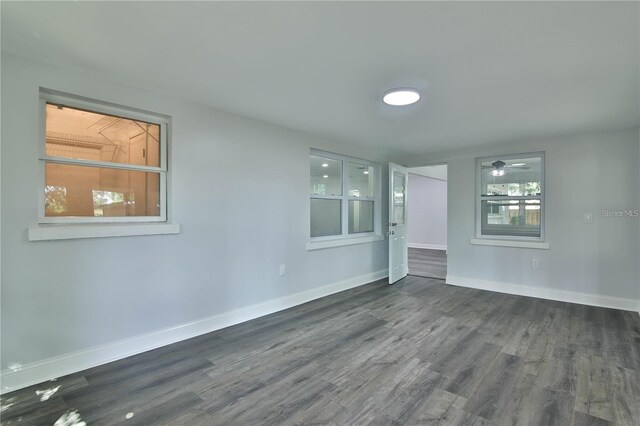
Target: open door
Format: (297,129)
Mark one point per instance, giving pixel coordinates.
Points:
(398,265)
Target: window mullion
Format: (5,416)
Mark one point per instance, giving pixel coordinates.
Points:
(150,196)
(370,202)
(509,216)
(509,197)
(102,164)
(326,197)
(345,198)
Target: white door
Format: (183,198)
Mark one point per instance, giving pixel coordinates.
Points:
(398,266)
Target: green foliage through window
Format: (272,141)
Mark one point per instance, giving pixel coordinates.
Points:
(55,199)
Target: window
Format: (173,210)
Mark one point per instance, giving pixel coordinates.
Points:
(101,163)
(344,196)
(511,197)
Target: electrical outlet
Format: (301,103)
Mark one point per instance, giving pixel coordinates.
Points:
(535,263)
(588,218)
(283,270)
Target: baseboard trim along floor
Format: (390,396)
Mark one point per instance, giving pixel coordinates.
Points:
(547,293)
(20,376)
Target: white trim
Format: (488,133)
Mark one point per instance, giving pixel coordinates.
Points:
(547,293)
(55,232)
(344,241)
(101,107)
(72,101)
(102,164)
(345,197)
(479,198)
(510,243)
(427,246)
(94,220)
(41,371)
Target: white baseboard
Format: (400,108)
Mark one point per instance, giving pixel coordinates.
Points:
(547,293)
(62,365)
(427,246)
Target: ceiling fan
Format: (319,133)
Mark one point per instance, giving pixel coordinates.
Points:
(498,167)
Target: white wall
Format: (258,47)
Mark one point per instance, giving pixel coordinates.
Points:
(427,225)
(586,173)
(437,172)
(239,188)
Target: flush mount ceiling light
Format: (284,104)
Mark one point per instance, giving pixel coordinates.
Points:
(401,97)
(325,176)
(325,165)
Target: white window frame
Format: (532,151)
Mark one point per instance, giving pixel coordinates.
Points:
(345,238)
(47,96)
(481,239)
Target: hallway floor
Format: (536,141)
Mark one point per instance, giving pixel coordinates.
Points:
(428,263)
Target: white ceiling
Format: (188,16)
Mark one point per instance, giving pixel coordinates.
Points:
(489,71)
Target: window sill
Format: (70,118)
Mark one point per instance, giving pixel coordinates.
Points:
(338,242)
(510,243)
(70,232)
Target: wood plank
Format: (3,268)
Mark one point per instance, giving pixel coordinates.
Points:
(496,390)
(417,352)
(625,397)
(593,387)
(550,408)
(427,263)
(582,419)
(561,375)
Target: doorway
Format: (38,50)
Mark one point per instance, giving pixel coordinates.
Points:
(427,230)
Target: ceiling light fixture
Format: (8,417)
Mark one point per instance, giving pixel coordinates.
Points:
(498,168)
(366,172)
(325,165)
(401,97)
(325,176)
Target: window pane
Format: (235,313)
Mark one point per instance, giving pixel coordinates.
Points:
(360,180)
(326,176)
(97,191)
(398,198)
(360,216)
(516,177)
(74,133)
(511,217)
(326,217)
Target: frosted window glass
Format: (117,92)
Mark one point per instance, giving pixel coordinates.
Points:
(360,216)
(326,218)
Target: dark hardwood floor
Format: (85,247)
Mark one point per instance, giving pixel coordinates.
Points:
(428,263)
(419,352)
